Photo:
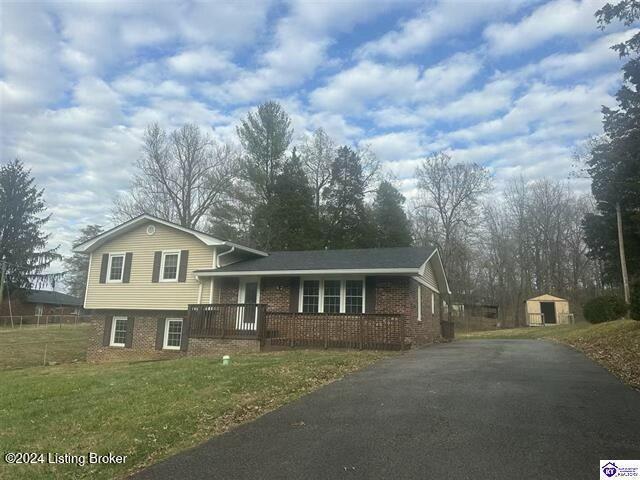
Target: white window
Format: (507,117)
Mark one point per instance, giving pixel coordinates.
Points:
(116,268)
(172,334)
(169,266)
(354,296)
(39,309)
(118,331)
(419,302)
(311,296)
(332,296)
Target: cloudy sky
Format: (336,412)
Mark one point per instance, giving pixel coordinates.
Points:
(512,84)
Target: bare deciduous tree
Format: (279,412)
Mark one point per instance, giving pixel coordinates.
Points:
(317,153)
(180,175)
(448,208)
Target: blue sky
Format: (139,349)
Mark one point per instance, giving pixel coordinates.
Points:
(514,85)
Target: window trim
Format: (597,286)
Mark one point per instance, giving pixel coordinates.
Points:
(164,254)
(165,341)
(433,303)
(343,293)
(114,322)
(124,259)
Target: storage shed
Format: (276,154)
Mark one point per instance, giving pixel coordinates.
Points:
(547,310)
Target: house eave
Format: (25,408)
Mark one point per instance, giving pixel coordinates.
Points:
(328,271)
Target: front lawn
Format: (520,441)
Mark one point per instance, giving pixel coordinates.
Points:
(615,345)
(31,346)
(149,410)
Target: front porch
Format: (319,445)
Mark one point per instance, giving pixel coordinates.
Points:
(275,330)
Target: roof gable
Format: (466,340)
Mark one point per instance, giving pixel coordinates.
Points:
(547,298)
(95,242)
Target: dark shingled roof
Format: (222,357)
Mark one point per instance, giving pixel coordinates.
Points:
(366,258)
(52,298)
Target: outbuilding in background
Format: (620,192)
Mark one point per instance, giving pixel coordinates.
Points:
(547,310)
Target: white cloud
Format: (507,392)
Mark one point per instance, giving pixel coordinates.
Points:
(366,82)
(558,18)
(201,62)
(437,22)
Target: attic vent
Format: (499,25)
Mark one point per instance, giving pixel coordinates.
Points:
(151,229)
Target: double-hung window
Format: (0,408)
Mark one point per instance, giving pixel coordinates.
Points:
(311,296)
(173,334)
(354,296)
(169,266)
(332,296)
(116,267)
(118,331)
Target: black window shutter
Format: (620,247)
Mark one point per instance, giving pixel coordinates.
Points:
(370,294)
(184,261)
(106,335)
(128,339)
(126,275)
(294,294)
(103,268)
(157,258)
(160,333)
(184,339)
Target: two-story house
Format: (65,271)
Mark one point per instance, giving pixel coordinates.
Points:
(158,289)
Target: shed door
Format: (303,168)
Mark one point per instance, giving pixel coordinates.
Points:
(548,309)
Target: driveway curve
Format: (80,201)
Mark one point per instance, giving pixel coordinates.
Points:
(476,409)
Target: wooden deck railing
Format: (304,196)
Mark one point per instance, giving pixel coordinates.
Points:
(336,330)
(227,320)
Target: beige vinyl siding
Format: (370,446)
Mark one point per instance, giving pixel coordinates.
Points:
(141,293)
(429,275)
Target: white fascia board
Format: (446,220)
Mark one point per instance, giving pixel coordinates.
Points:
(422,281)
(347,271)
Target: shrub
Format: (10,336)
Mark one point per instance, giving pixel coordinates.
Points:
(604,309)
(634,308)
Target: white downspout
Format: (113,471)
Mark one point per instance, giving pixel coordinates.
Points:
(231,250)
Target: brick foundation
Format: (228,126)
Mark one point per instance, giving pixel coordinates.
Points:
(143,346)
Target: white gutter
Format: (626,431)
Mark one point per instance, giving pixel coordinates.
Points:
(330,271)
(231,250)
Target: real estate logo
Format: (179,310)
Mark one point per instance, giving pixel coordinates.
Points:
(619,469)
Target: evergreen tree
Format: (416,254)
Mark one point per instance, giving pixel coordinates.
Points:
(77,265)
(347,221)
(614,161)
(265,136)
(22,241)
(293,224)
(392,225)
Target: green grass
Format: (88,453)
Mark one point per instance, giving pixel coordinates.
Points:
(149,410)
(615,345)
(25,347)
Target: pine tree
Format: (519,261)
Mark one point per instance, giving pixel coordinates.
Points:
(392,225)
(22,241)
(77,265)
(347,221)
(293,224)
(265,136)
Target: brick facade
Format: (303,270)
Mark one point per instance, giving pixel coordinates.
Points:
(143,346)
(393,295)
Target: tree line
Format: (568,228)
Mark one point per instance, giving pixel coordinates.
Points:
(268,193)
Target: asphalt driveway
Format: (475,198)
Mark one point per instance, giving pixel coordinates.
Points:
(499,409)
